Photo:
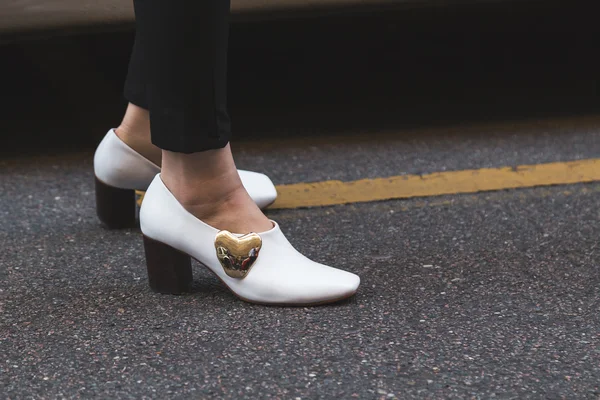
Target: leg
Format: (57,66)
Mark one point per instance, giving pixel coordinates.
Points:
(199,195)
(178,71)
(184,47)
(135,127)
(165,71)
(186,94)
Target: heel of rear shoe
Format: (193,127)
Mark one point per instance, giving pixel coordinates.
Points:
(169,270)
(115,207)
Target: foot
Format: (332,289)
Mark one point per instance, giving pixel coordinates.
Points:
(220,200)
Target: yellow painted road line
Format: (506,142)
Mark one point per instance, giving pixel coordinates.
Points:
(435,184)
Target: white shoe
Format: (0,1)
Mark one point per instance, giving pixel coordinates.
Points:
(120,171)
(259,268)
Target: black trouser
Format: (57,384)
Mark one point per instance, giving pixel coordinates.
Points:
(178,72)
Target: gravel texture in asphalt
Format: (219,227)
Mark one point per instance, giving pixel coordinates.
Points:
(493,294)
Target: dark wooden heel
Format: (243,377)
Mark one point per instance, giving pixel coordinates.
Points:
(115,207)
(169,270)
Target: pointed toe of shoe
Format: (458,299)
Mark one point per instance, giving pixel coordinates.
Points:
(259,187)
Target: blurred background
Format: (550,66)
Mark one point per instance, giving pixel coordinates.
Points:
(342,70)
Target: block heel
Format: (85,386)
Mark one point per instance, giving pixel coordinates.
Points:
(115,207)
(169,270)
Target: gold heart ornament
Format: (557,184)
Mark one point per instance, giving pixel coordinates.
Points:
(237,254)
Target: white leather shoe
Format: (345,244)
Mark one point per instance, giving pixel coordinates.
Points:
(120,171)
(259,268)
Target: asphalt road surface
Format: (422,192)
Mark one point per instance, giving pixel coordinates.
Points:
(487,295)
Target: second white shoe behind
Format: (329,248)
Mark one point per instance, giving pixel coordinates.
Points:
(118,165)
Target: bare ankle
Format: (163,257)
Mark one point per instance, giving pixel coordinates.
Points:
(208,185)
(135,124)
(135,132)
